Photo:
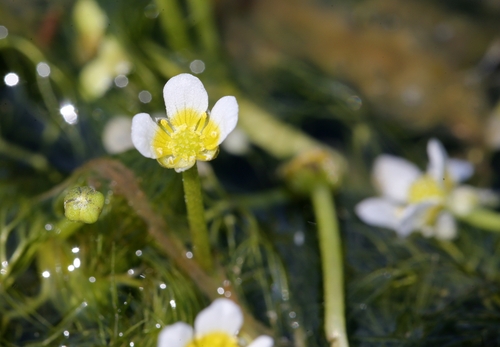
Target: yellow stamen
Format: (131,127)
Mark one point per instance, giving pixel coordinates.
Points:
(216,339)
(187,137)
(425,189)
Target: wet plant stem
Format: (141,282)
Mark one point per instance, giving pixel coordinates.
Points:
(484,219)
(332,265)
(196,218)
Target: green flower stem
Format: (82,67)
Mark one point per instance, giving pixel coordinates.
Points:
(174,24)
(196,217)
(331,260)
(65,228)
(202,13)
(484,219)
(35,160)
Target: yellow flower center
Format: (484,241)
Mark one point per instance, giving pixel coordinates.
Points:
(188,137)
(216,339)
(427,189)
(424,189)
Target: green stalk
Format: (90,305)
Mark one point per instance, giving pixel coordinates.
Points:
(332,265)
(483,219)
(174,24)
(196,217)
(201,11)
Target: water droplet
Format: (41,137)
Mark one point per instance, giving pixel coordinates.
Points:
(130,272)
(299,238)
(46,274)
(172,303)
(151,11)
(75,250)
(92,279)
(4,32)
(163,286)
(43,69)
(138,253)
(77,262)
(145,97)
(292,314)
(71,268)
(5,263)
(11,79)
(295,325)
(227,294)
(197,66)
(189,255)
(412,96)
(68,112)
(354,102)
(66,333)
(121,81)
(220,290)
(158,325)
(48,227)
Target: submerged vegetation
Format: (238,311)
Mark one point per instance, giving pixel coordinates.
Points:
(322,91)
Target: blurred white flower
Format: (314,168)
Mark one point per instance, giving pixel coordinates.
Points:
(116,136)
(413,200)
(98,75)
(217,325)
(90,23)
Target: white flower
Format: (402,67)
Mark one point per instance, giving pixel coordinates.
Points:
(215,326)
(190,132)
(97,76)
(412,200)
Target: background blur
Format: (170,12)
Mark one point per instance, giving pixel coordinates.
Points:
(364,77)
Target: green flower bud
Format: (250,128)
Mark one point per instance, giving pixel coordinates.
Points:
(317,166)
(83,204)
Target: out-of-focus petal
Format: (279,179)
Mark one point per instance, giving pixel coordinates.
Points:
(459,170)
(175,335)
(462,200)
(446,226)
(262,341)
(438,159)
(393,176)
(378,212)
(116,136)
(223,315)
(413,218)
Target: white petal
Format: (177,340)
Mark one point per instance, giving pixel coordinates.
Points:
(462,200)
(144,130)
(262,341)
(459,170)
(222,315)
(116,136)
(413,218)
(378,212)
(182,92)
(446,226)
(393,176)
(225,115)
(438,159)
(175,335)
